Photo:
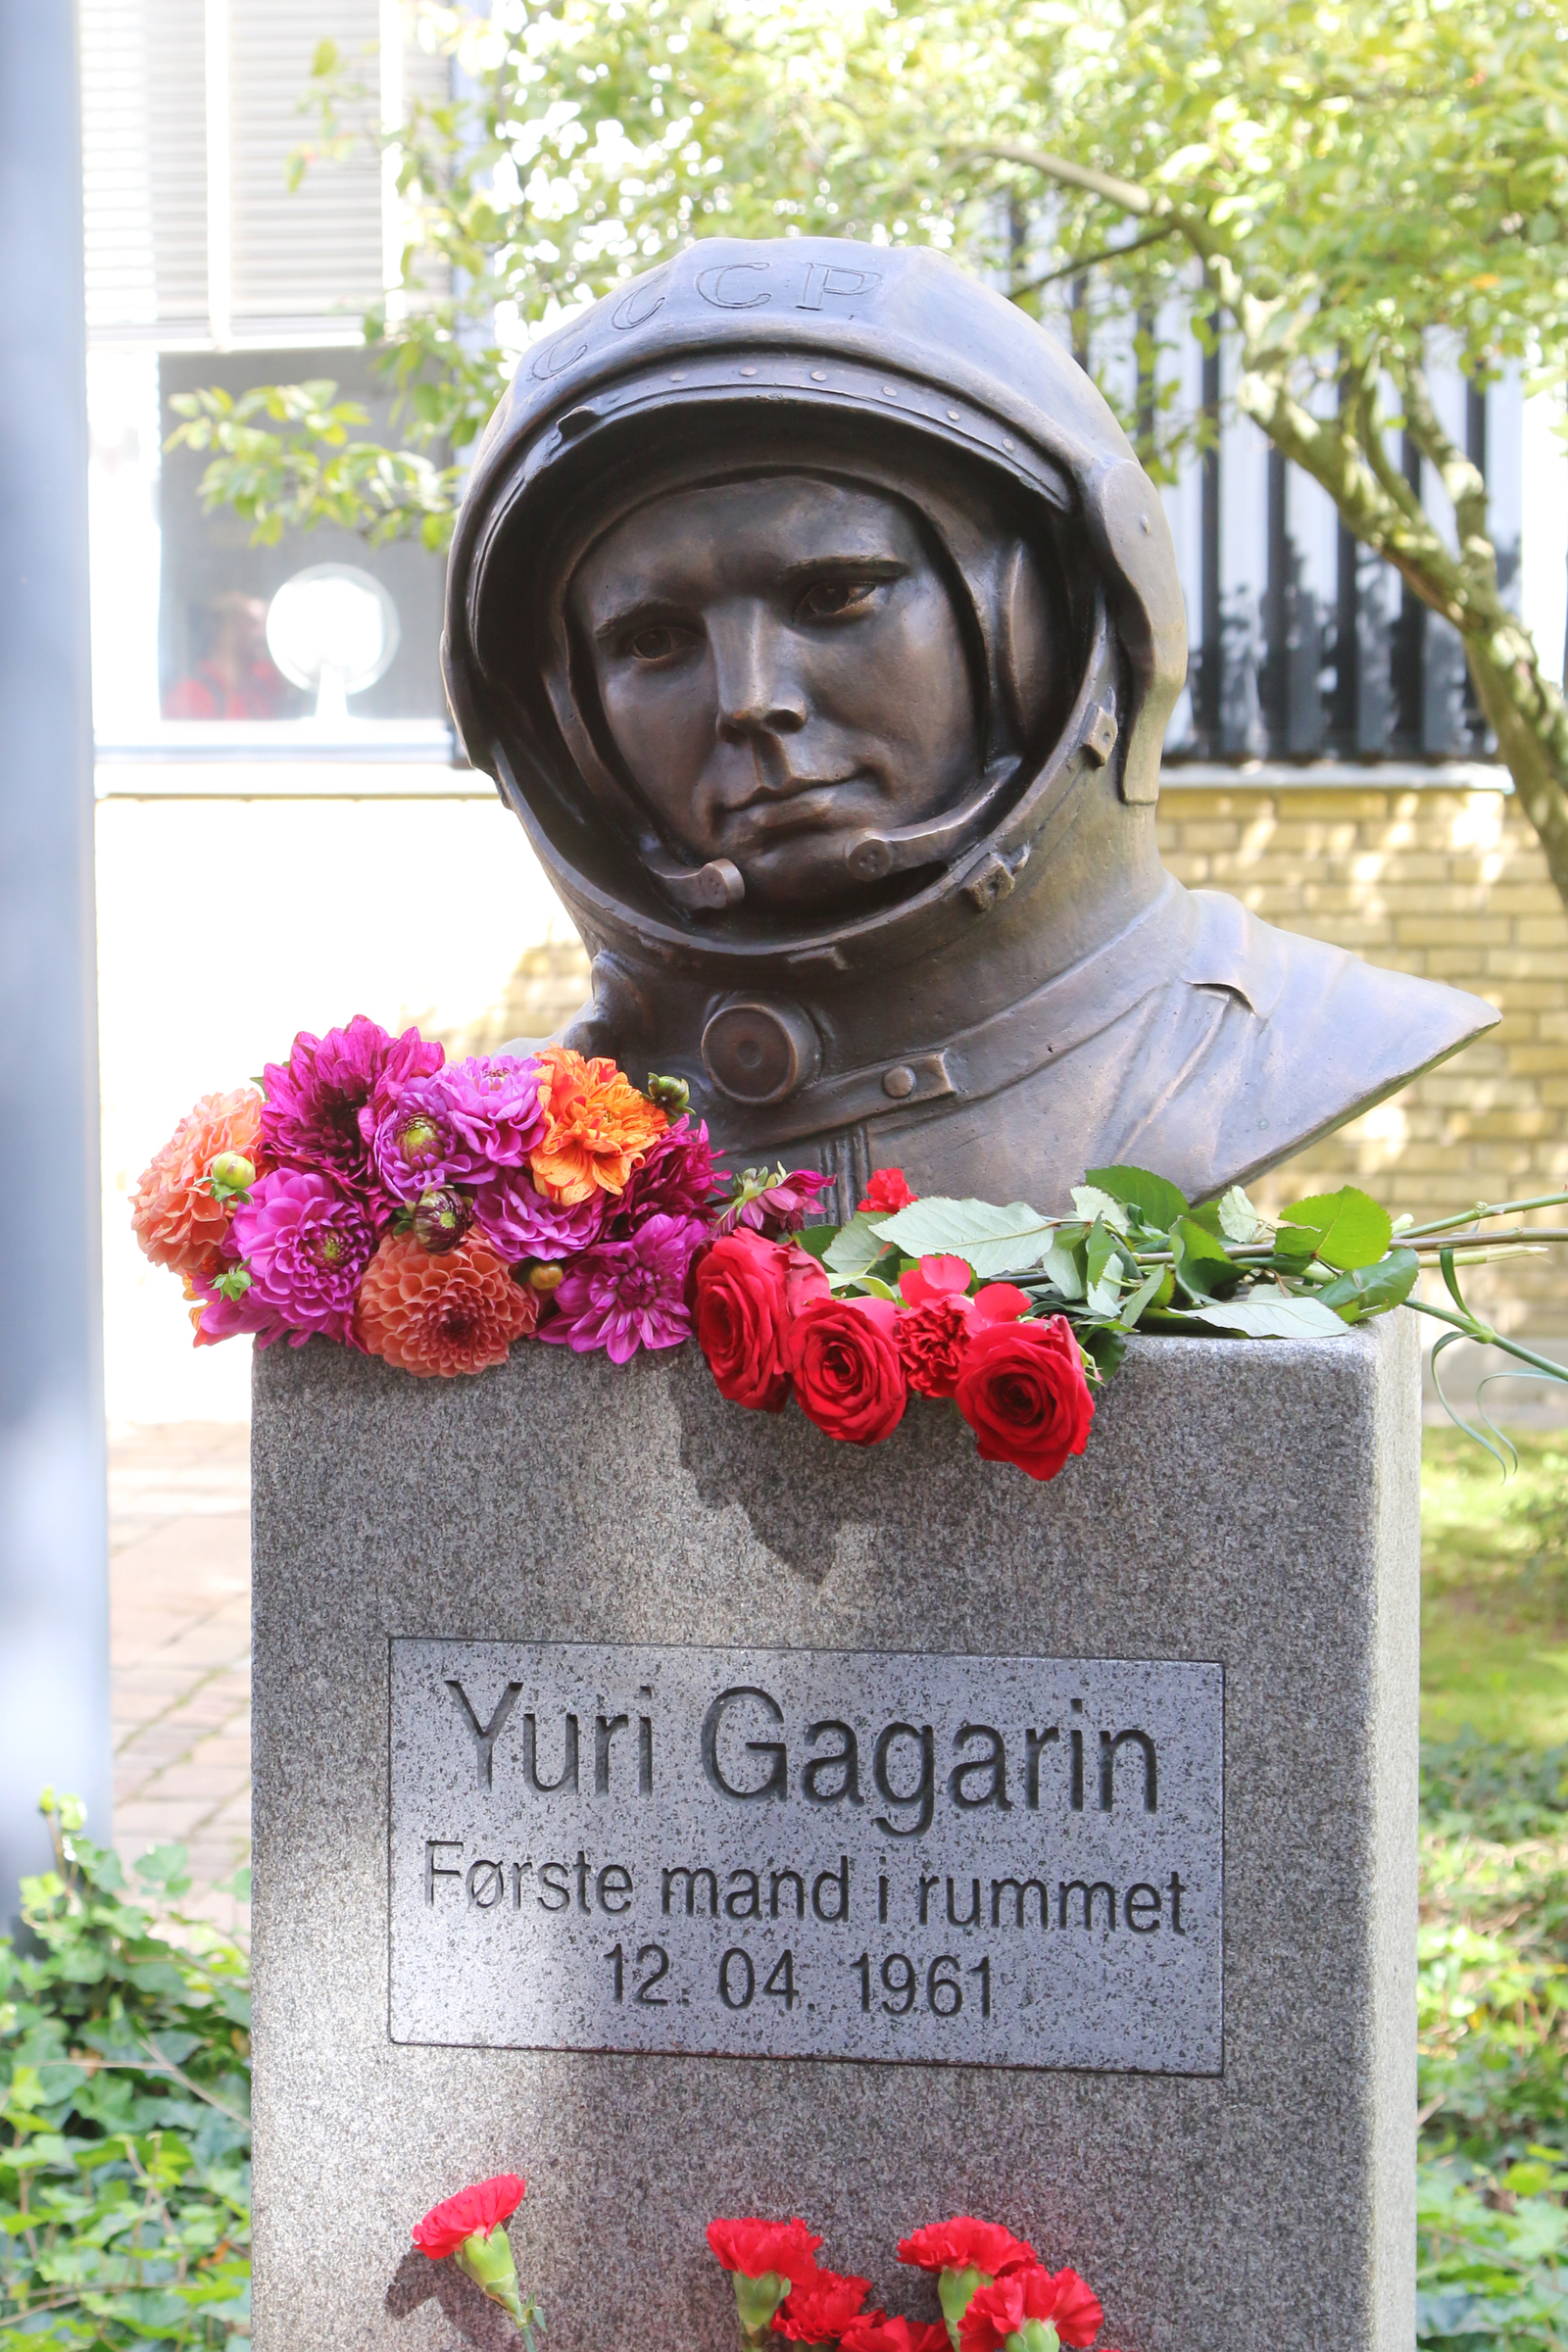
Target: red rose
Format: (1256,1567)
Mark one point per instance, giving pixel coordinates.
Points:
(804,1278)
(1000,2311)
(741,1316)
(965,2244)
(849,1375)
(819,2312)
(763,2250)
(932,1342)
(871,2333)
(887,1191)
(484,2206)
(1023,1393)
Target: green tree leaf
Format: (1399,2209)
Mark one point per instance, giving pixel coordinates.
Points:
(1348,1229)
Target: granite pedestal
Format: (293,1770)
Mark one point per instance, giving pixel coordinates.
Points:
(481,1603)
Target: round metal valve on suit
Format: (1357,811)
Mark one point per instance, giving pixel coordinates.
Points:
(755,1050)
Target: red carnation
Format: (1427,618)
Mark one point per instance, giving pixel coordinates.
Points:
(933,1341)
(887,1191)
(1023,1393)
(1001,2310)
(848,1373)
(819,2312)
(965,2244)
(935,1278)
(762,2249)
(742,1316)
(484,2206)
(872,2333)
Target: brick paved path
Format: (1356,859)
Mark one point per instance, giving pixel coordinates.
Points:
(179,1641)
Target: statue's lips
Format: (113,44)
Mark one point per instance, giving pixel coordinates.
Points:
(803,805)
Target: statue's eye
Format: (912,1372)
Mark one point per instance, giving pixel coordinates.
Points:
(831,598)
(659,642)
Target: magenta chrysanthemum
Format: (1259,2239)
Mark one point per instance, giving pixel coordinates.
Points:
(519,1222)
(495,1107)
(311,1117)
(249,1316)
(304,1242)
(782,1208)
(622,1295)
(676,1180)
(416,1144)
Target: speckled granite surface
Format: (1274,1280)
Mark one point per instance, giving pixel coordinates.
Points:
(1254,1504)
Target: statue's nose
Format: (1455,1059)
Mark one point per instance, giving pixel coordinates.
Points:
(757,689)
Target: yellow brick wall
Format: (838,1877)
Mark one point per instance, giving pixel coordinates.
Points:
(1452,885)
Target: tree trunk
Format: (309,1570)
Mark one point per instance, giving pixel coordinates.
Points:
(1526,717)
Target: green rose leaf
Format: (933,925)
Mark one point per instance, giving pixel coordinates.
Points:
(993,1240)
(1103,1267)
(853,1251)
(1261,1318)
(1370,1289)
(818,1240)
(1204,1267)
(1158,1203)
(1239,1220)
(1092,1205)
(1347,1228)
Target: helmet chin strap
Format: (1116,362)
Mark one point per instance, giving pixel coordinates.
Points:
(871,855)
(706,889)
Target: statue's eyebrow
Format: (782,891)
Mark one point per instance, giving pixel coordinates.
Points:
(649,610)
(864,567)
(639,616)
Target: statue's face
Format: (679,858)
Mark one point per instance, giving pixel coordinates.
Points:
(781,667)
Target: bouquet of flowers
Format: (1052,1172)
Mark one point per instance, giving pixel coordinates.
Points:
(430,1212)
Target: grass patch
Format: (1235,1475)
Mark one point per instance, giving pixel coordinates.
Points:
(1495,1591)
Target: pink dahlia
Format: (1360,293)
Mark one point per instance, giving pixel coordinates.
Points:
(519,1222)
(304,1242)
(312,1114)
(495,1107)
(415,1139)
(676,1180)
(622,1295)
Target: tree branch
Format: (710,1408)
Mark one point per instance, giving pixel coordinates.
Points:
(1462,480)
(1131,199)
(1093,261)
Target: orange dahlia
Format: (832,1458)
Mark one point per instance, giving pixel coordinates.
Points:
(177,1220)
(600,1127)
(459,1313)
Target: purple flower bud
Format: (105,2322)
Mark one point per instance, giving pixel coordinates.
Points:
(441,1217)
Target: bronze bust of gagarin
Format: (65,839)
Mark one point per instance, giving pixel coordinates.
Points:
(815,618)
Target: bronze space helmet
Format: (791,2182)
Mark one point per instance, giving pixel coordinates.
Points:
(887,370)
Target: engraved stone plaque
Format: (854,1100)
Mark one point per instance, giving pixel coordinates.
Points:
(994,1861)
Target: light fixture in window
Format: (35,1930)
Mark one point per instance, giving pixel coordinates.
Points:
(334,629)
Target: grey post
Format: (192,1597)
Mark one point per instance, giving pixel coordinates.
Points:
(54,1663)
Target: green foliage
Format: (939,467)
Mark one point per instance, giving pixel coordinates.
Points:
(1494,2047)
(125,2105)
(1348,1229)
